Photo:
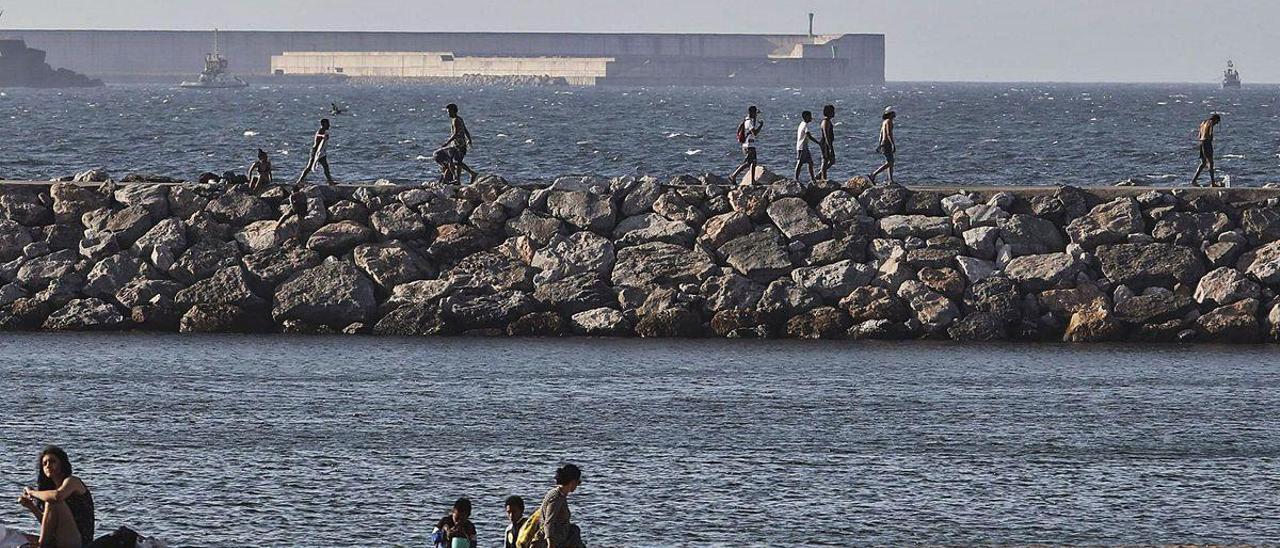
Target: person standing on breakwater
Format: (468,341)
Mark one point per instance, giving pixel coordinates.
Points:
(260,173)
(888,146)
(514,507)
(456,530)
(451,154)
(748,132)
(828,142)
(557,530)
(1206,150)
(803,136)
(319,154)
(61,502)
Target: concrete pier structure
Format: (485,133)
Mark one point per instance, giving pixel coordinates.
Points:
(638,59)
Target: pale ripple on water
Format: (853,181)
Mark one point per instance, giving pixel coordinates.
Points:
(1035,134)
(332,441)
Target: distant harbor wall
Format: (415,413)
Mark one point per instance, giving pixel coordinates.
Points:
(690,257)
(645,59)
(581,71)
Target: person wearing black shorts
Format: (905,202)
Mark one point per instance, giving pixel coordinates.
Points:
(1206,150)
(828,141)
(888,146)
(748,134)
(451,154)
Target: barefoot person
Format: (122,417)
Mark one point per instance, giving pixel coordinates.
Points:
(319,154)
(888,146)
(828,141)
(1206,150)
(61,502)
(748,133)
(456,530)
(514,507)
(260,172)
(557,530)
(804,134)
(451,154)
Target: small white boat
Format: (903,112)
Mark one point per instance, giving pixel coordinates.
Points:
(215,74)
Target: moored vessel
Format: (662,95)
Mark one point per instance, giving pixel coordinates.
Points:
(216,74)
(1231,77)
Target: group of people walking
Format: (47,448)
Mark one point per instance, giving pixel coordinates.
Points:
(749,136)
(63,506)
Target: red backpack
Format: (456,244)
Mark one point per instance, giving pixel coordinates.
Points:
(742,132)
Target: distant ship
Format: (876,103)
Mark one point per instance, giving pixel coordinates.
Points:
(24,67)
(215,74)
(1231,77)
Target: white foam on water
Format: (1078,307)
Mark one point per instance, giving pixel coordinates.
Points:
(250,134)
(693,152)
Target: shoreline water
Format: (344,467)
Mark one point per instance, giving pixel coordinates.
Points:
(649,258)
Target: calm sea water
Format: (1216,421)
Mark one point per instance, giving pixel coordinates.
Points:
(331,441)
(948,133)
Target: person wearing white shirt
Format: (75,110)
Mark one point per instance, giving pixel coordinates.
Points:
(804,134)
(748,135)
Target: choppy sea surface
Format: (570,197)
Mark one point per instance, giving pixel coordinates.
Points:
(1037,134)
(336,441)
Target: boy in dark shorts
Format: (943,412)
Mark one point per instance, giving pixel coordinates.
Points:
(828,141)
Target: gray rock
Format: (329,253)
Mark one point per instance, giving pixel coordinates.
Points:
(334,293)
(874,303)
(13,237)
(1142,266)
(338,238)
(491,270)
(1223,253)
(1030,235)
(1190,229)
(584,210)
(1224,286)
(152,197)
(488,216)
(260,235)
(600,322)
(574,294)
(980,215)
(1263,264)
(109,275)
(651,227)
(640,199)
(798,221)
(140,291)
(730,291)
(9,293)
(975,270)
(835,281)
(1233,323)
(920,226)
(392,263)
(35,274)
(469,310)
(238,209)
(398,222)
(674,323)
(129,224)
(1044,271)
(411,320)
(820,323)
(184,201)
(455,241)
(840,207)
(930,257)
(759,256)
(1108,223)
(932,310)
(219,318)
(203,259)
(850,248)
(1260,224)
(720,229)
(201,226)
(96,219)
(444,211)
(1093,326)
(658,263)
(71,201)
(514,200)
(347,210)
(997,296)
(85,315)
(1153,308)
(226,286)
(24,208)
(269,267)
(95,175)
(35,249)
(673,206)
(93,249)
(882,201)
(579,253)
(894,271)
(537,227)
(784,299)
(421,292)
(978,327)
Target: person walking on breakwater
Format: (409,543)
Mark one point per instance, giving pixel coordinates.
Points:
(319,154)
(451,154)
(828,141)
(260,173)
(514,507)
(888,146)
(61,502)
(1206,150)
(804,134)
(455,530)
(748,133)
(557,531)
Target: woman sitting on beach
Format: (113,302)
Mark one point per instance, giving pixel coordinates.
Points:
(61,502)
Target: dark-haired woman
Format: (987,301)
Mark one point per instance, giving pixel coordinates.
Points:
(557,530)
(61,502)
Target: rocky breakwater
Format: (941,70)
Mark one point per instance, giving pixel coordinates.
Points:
(690,257)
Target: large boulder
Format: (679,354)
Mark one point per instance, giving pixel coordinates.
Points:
(1108,223)
(1093,326)
(641,197)
(882,201)
(455,241)
(392,263)
(260,235)
(740,323)
(783,299)
(919,226)
(600,322)
(1263,263)
(36,273)
(1145,265)
(1030,235)
(846,248)
(1261,224)
(488,269)
(539,228)
(163,244)
(759,255)
(1233,323)
(85,315)
(467,310)
(71,201)
(651,227)
(673,206)
(835,281)
(152,197)
(840,208)
(228,285)
(422,292)
(1224,286)
(411,320)
(129,224)
(874,303)
(398,222)
(1190,229)
(1044,271)
(13,237)
(798,221)
(1153,307)
(730,291)
(820,323)
(111,274)
(932,310)
(334,293)
(585,210)
(670,323)
(203,259)
(978,327)
(141,291)
(269,267)
(1065,302)
(997,296)
(238,209)
(579,253)
(721,229)
(575,294)
(24,208)
(221,318)
(338,238)
(658,263)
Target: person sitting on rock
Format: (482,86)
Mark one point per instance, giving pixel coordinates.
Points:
(61,502)
(260,173)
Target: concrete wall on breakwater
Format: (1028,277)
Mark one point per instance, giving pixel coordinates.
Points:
(627,257)
(641,59)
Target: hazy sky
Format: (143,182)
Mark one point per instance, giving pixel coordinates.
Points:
(970,40)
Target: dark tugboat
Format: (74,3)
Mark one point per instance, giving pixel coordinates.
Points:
(24,67)
(216,74)
(1231,77)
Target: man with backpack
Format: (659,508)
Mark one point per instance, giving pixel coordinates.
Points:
(748,133)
